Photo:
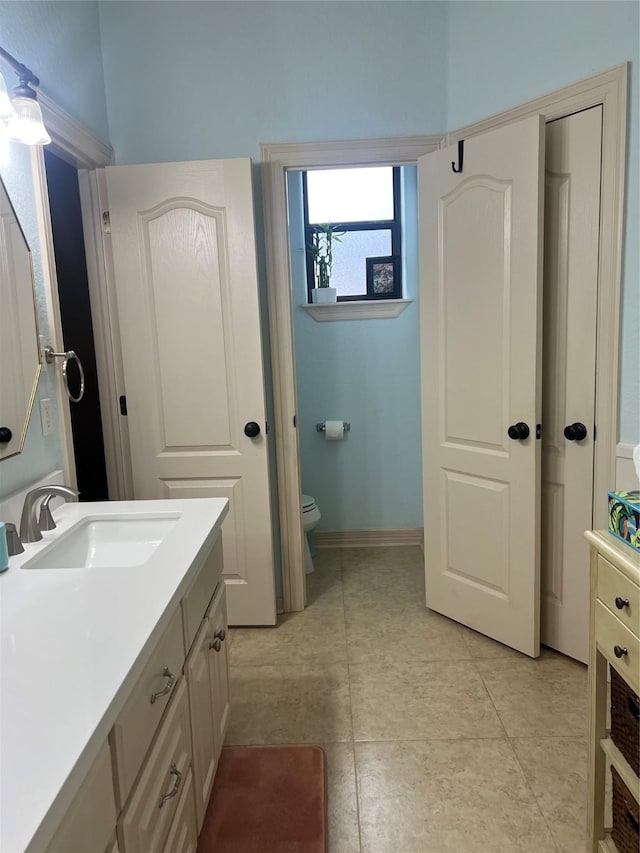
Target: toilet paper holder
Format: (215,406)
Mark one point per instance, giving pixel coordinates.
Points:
(321,427)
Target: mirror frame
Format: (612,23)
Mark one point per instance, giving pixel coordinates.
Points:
(38,372)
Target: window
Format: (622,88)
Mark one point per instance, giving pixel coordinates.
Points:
(360,211)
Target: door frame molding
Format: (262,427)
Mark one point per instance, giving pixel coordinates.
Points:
(607,88)
(277,159)
(77,145)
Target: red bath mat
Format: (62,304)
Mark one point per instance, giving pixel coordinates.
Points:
(270,799)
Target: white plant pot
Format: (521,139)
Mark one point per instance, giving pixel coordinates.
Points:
(324,295)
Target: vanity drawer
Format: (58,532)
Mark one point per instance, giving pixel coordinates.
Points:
(89,821)
(145,823)
(613,585)
(136,725)
(183,836)
(196,601)
(611,634)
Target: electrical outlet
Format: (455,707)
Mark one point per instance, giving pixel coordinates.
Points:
(46,416)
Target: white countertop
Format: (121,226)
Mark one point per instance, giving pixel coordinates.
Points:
(72,643)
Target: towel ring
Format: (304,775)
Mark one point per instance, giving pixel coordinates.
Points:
(50,355)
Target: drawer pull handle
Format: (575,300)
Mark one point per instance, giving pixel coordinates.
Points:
(173,771)
(634,708)
(167,689)
(216,644)
(620,652)
(221,634)
(621,602)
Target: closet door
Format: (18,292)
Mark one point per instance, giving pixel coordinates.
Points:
(572,223)
(481,247)
(187,289)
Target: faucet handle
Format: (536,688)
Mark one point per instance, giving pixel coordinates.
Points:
(14,543)
(46,521)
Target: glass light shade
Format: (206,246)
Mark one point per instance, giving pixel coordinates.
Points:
(27,125)
(7,109)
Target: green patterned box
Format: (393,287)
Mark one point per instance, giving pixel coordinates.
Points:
(624,517)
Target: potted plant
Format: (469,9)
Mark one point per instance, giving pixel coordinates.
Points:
(321,248)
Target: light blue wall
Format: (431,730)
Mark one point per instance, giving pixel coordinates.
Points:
(193,80)
(61,43)
(501,54)
(365,372)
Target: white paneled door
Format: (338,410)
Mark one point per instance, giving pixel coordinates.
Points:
(481,351)
(572,220)
(185,271)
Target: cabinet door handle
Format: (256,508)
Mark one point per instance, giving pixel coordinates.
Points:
(173,771)
(620,652)
(216,644)
(621,602)
(166,674)
(221,634)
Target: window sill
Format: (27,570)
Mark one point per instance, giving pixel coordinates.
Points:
(374,309)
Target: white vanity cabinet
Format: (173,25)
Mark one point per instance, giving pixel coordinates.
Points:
(208,680)
(138,721)
(150,786)
(177,775)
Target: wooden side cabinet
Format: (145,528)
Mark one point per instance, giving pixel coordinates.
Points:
(614,640)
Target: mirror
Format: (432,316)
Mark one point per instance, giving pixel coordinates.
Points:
(19,351)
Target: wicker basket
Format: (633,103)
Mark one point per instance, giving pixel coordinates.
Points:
(625,720)
(626,817)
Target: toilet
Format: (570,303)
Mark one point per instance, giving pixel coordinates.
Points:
(310,517)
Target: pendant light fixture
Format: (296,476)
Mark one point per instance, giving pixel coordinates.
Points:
(20,115)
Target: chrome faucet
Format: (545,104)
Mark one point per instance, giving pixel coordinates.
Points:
(29,529)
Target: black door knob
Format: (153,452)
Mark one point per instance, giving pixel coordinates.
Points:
(575,432)
(518,431)
(252,429)
(620,652)
(621,602)
(5,435)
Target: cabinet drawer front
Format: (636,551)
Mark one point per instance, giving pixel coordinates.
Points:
(612,634)
(196,601)
(89,822)
(613,585)
(183,837)
(145,823)
(136,725)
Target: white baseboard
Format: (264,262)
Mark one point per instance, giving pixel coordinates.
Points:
(626,477)
(367,538)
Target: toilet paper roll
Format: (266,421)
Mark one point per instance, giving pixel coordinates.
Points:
(334,430)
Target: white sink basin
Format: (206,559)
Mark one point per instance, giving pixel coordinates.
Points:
(108,541)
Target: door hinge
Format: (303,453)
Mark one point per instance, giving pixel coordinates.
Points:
(538,430)
(106,222)
(294,421)
(123,404)
(266,427)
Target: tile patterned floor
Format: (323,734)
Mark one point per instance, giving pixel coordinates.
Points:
(438,739)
